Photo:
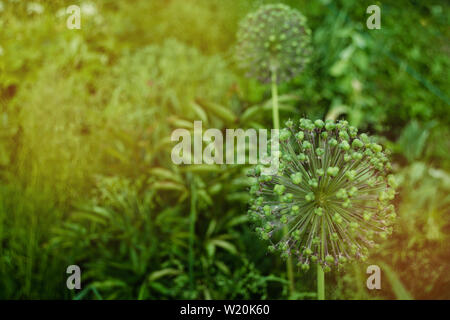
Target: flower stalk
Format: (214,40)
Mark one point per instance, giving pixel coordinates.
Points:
(320,283)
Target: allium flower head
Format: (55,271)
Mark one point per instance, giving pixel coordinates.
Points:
(274,38)
(331,195)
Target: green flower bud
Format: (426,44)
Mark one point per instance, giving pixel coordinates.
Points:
(300,135)
(337,218)
(295,210)
(306,145)
(306,124)
(288,197)
(313,182)
(296,178)
(342,260)
(392,181)
(347,157)
(364,138)
(342,125)
(351,174)
(357,156)
(279,189)
(353,131)
(333,171)
(318,211)
(329,259)
(285,134)
(356,144)
(333,142)
(320,152)
(347,203)
(330,125)
(268,227)
(354,225)
(344,135)
(376,147)
(367,216)
(342,194)
(353,191)
(344,145)
(301,157)
(310,197)
(319,124)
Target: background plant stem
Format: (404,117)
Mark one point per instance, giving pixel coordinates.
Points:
(320,283)
(275,112)
(192,218)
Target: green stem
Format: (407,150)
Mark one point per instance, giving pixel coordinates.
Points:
(276,125)
(192,218)
(320,283)
(275,112)
(290,273)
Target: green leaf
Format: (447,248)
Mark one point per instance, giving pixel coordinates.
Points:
(162,273)
(165,174)
(199,111)
(169,186)
(396,284)
(225,245)
(220,111)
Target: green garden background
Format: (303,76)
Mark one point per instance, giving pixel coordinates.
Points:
(85,123)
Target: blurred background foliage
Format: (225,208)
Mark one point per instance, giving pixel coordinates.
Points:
(85,123)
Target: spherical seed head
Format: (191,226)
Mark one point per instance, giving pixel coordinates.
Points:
(275,38)
(334,205)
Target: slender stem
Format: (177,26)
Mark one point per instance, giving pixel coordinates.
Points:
(192,218)
(276,125)
(275,112)
(320,283)
(290,273)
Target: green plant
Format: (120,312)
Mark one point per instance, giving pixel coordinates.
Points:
(273,46)
(415,258)
(331,193)
(85,123)
(273,43)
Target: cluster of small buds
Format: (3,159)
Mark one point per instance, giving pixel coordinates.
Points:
(274,38)
(329,202)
